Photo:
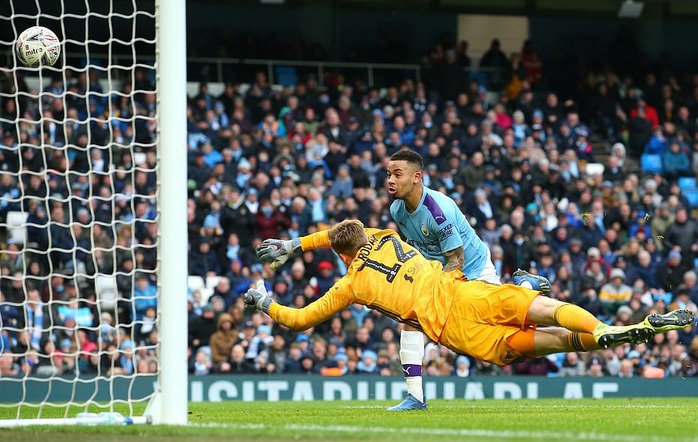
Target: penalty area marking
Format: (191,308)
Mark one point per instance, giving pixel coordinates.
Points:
(453,432)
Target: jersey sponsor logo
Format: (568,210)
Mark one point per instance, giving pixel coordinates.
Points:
(446,231)
(413,269)
(425,231)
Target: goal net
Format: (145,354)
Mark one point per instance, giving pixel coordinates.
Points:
(81,204)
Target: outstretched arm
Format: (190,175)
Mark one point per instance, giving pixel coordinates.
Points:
(339,297)
(314,241)
(455,259)
(299,319)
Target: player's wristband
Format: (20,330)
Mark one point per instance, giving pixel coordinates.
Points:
(296,245)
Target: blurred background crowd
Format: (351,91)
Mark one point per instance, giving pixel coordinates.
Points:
(593,187)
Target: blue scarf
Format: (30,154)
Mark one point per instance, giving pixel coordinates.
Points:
(36,321)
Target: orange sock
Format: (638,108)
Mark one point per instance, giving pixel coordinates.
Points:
(582,342)
(575,318)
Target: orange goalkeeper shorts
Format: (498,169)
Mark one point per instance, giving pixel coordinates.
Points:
(483,317)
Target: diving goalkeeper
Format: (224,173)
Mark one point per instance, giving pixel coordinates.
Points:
(492,323)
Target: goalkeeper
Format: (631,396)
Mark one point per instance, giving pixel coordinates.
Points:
(492,323)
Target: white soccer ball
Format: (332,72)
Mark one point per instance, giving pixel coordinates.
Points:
(38,46)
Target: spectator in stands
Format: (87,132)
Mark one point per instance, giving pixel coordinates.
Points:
(644,270)
(276,354)
(237,363)
(595,367)
(675,162)
(495,64)
(10,317)
(536,367)
(640,131)
(203,261)
(201,329)
(144,296)
(615,293)
(627,369)
(202,364)
(343,185)
(221,342)
(473,147)
(670,272)
(572,366)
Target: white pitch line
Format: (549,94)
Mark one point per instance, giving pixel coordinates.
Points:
(364,407)
(473,432)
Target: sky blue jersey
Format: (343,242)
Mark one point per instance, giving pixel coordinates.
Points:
(438,226)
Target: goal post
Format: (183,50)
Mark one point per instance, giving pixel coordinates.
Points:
(172,86)
(93,233)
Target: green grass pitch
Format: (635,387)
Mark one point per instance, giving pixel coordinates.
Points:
(622,420)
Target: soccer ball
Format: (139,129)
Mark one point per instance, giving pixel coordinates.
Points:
(38,46)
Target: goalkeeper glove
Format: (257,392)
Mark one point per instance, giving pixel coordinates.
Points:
(257,299)
(277,251)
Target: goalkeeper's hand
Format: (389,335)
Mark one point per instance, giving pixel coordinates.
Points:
(277,251)
(257,299)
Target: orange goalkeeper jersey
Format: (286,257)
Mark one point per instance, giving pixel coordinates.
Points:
(387,275)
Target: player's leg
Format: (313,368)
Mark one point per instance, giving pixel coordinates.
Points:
(550,340)
(673,320)
(546,311)
(411,357)
(534,343)
(556,339)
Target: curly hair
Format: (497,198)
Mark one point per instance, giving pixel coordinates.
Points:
(411,157)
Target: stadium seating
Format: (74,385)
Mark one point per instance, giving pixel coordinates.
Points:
(106,290)
(595,169)
(666,297)
(686,183)
(212,281)
(651,163)
(206,293)
(286,75)
(692,197)
(17,227)
(195,283)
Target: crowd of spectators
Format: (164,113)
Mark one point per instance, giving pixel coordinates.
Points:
(521,161)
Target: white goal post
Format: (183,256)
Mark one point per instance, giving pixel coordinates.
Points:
(93,230)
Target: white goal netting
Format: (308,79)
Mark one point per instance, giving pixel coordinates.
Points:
(79,211)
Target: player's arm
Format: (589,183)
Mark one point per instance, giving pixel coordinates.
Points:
(335,300)
(313,314)
(450,240)
(455,259)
